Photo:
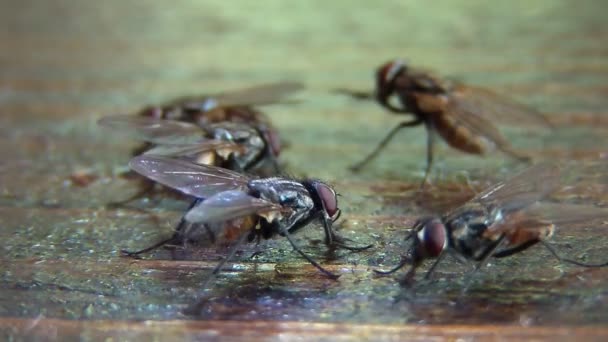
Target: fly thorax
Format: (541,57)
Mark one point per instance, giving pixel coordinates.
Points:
(291,195)
(467,228)
(468,224)
(245,136)
(222,132)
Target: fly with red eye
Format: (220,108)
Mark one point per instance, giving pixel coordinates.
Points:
(503,220)
(221,129)
(231,207)
(235,146)
(236,106)
(232,145)
(462,115)
(228,106)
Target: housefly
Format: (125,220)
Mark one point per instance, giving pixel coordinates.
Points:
(233,145)
(462,115)
(231,207)
(233,106)
(229,106)
(503,220)
(222,130)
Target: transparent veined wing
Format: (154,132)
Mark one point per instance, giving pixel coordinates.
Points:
(154,130)
(494,107)
(541,218)
(480,126)
(193,179)
(222,147)
(262,94)
(523,189)
(565,213)
(229,205)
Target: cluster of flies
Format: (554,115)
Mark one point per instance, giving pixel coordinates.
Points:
(208,148)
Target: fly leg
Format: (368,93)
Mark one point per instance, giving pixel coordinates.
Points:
(309,259)
(404,261)
(489,252)
(174,239)
(431,270)
(148,249)
(430,145)
(231,253)
(358,166)
(196,308)
(569,261)
(408,279)
(334,240)
(355,94)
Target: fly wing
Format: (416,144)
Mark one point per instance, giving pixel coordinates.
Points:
(495,107)
(537,217)
(262,94)
(154,130)
(474,119)
(566,214)
(523,189)
(192,179)
(229,205)
(222,147)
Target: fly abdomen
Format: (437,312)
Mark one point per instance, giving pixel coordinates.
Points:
(458,135)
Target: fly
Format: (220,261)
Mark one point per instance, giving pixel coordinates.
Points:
(229,106)
(462,115)
(231,207)
(232,145)
(503,220)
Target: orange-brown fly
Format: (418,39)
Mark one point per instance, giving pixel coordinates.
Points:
(462,115)
(229,106)
(502,220)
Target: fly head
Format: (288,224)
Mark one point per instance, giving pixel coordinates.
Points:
(386,76)
(430,239)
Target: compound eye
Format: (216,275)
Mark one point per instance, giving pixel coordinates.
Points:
(389,71)
(433,238)
(328,197)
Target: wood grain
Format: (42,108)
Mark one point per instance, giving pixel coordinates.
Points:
(64,64)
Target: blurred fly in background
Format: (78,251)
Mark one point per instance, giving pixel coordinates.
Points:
(222,130)
(462,115)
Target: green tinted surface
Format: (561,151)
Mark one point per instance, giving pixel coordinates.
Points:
(65,64)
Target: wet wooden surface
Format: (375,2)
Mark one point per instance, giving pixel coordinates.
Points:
(64,64)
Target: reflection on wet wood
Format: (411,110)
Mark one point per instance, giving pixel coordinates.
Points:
(184,330)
